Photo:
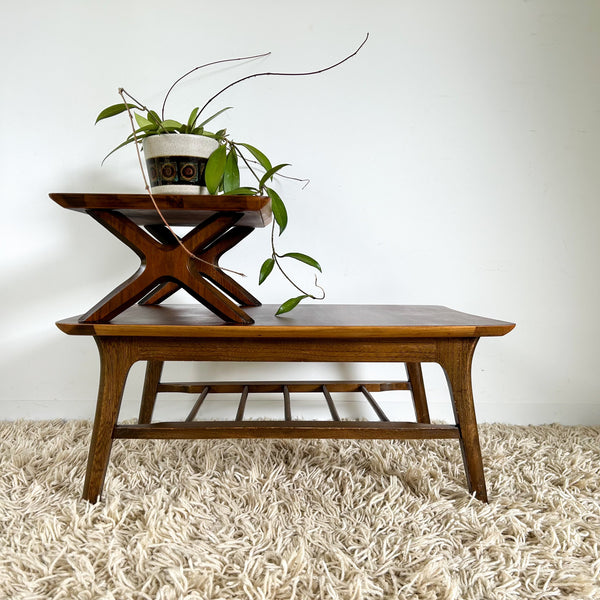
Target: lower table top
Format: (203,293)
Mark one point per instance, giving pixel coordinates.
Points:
(305,321)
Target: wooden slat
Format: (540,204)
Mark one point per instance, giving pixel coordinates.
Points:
(287,429)
(332,409)
(267,387)
(286,403)
(242,405)
(417,389)
(151,382)
(382,416)
(197,405)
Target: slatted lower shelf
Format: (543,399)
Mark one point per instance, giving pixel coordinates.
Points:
(287,429)
(365,388)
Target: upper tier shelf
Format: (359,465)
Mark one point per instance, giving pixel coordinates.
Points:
(178,209)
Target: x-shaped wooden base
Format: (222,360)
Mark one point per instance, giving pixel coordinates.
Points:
(166,267)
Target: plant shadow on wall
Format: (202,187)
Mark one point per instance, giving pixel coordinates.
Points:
(184,157)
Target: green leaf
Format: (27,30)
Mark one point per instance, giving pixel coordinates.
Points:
(231,176)
(140,134)
(265,270)
(243,191)
(215,167)
(278,208)
(290,304)
(219,136)
(146,131)
(142,121)
(265,163)
(214,116)
(154,118)
(115,109)
(127,141)
(269,174)
(305,259)
(171,124)
(193,116)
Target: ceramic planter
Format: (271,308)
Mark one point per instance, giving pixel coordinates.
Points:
(176,162)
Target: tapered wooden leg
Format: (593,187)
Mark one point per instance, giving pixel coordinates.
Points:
(115,362)
(214,300)
(160,293)
(153,372)
(211,269)
(122,297)
(417,388)
(456,357)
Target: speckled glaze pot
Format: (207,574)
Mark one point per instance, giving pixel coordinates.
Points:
(176,162)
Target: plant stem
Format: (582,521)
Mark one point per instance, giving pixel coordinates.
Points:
(337,64)
(303,180)
(276,256)
(237,150)
(123,92)
(216,62)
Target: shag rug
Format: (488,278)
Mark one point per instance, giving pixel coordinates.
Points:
(296,519)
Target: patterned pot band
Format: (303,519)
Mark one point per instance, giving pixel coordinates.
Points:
(176,170)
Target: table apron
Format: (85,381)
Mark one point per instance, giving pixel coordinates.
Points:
(276,349)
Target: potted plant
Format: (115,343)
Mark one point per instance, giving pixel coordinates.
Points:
(184,157)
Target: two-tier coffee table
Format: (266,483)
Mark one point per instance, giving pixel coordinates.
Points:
(219,329)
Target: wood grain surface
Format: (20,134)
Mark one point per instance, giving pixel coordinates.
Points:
(178,209)
(305,321)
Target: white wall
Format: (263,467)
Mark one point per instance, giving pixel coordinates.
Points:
(454,161)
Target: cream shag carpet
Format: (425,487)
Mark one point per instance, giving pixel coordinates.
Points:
(300,519)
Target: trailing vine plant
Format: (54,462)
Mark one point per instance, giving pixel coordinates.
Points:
(222,173)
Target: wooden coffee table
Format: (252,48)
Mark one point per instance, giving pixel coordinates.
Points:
(311,333)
